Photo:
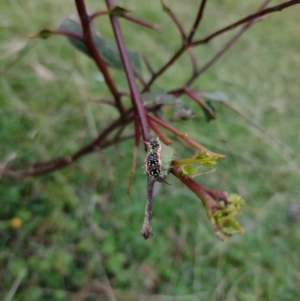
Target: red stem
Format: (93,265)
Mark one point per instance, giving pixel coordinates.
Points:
(135,94)
(88,38)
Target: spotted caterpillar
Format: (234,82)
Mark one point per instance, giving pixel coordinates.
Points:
(153,161)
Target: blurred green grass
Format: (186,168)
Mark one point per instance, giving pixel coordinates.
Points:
(80,234)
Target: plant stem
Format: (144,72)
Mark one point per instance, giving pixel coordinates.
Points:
(88,38)
(135,94)
(147,223)
(141,22)
(197,21)
(251,17)
(183,136)
(155,75)
(224,48)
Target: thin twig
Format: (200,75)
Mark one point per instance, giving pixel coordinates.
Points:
(183,36)
(39,168)
(192,57)
(156,74)
(247,19)
(99,13)
(135,94)
(58,163)
(182,49)
(140,77)
(176,55)
(183,136)
(197,21)
(175,20)
(224,48)
(141,22)
(162,136)
(129,18)
(147,63)
(147,223)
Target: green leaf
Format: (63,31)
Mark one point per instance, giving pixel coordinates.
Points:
(167,154)
(108,51)
(222,216)
(207,113)
(117,10)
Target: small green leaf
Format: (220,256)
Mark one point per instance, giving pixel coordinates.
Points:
(117,10)
(200,164)
(208,114)
(43,34)
(223,216)
(167,154)
(108,51)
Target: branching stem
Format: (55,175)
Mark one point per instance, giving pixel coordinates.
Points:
(88,38)
(135,94)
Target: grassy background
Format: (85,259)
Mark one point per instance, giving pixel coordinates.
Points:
(80,234)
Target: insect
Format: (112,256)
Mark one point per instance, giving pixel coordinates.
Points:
(153,161)
(155,172)
(154,145)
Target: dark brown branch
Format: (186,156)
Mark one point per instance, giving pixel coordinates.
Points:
(140,78)
(56,164)
(175,20)
(129,18)
(135,94)
(147,63)
(183,36)
(224,48)
(155,75)
(247,19)
(179,52)
(87,34)
(197,21)
(40,168)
